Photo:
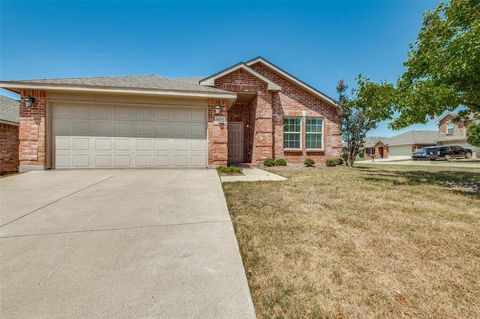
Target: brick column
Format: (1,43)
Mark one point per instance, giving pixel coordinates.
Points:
(217,134)
(263,136)
(32,132)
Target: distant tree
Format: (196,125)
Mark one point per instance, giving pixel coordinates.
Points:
(442,69)
(359,115)
(473,133)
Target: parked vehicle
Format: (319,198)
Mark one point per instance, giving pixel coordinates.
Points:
(442,152)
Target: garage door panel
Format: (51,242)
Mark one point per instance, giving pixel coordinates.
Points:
(62,160)
(122,144)
(161,160)
(81,143)
(103,160)
(122,160)
(107,136)
(81,160)
(103,144)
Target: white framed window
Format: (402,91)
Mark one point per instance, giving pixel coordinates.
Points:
(292,133)
(314,133)
(449,128)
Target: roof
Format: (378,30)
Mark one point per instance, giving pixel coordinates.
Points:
(149,82)
(449,138)
(211,79)
(306,86)
(371,141)
(9,110)
(413,137)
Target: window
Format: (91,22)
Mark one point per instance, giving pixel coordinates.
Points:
(449,128)
(314,133)
(292,130)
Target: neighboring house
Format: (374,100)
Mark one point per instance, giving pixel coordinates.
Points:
(243,114)
(455,132)
(9,122)
(400,146)
(374,147)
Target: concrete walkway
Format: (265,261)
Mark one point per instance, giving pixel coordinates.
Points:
(462,164)
(119,244)
(253,175)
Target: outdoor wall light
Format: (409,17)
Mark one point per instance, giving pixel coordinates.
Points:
(218,108)
(29,100)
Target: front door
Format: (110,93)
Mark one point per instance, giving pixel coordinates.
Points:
(235,142)
(380,150)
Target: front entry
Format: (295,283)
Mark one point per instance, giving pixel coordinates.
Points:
(235,142)
(380,150)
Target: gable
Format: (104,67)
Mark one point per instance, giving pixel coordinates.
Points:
(261,62)
(210,81)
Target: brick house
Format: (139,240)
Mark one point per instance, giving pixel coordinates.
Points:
(452,132)
(242,114)
(9,122)
(400,146)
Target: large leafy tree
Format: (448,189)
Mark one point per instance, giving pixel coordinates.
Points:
(442,69)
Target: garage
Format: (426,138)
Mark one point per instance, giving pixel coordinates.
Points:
(88,135)
(400,152)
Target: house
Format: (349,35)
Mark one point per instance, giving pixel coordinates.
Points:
(400,146)
(242,114)
(9,128)
(374,147)
(452,132)
(9,122)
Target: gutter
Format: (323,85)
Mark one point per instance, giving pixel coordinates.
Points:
(16,86)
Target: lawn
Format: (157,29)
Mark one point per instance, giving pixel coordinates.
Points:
(368,242)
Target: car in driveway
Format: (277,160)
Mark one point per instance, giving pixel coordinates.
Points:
(442,152)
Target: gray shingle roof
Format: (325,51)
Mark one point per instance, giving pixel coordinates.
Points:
(9,109)
(370,141)
(149,81)
(413,137)
(191,79)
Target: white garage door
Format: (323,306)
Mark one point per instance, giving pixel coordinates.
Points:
(400,152)
(108,136)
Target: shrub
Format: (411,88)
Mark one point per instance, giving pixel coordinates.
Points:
(309,162)
(280,162)
(339,161)
(229,169)
(268,162)
(331,162)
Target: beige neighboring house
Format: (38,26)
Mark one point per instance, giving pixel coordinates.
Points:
(453,132)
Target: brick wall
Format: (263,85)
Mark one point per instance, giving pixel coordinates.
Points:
(293,100)
(217,134)
(459,128)
(9,148)
(32,133)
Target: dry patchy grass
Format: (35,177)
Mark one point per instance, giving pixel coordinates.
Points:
(386,242)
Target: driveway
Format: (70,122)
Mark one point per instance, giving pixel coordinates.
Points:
(119,244)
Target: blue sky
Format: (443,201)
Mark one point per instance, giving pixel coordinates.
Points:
(319,42)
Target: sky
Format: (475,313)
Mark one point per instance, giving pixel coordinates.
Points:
(319,42)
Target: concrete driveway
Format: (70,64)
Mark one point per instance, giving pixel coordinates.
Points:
(119,244)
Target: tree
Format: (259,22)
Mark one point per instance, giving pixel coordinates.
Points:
(359,115)
(442,69)
(473,133)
